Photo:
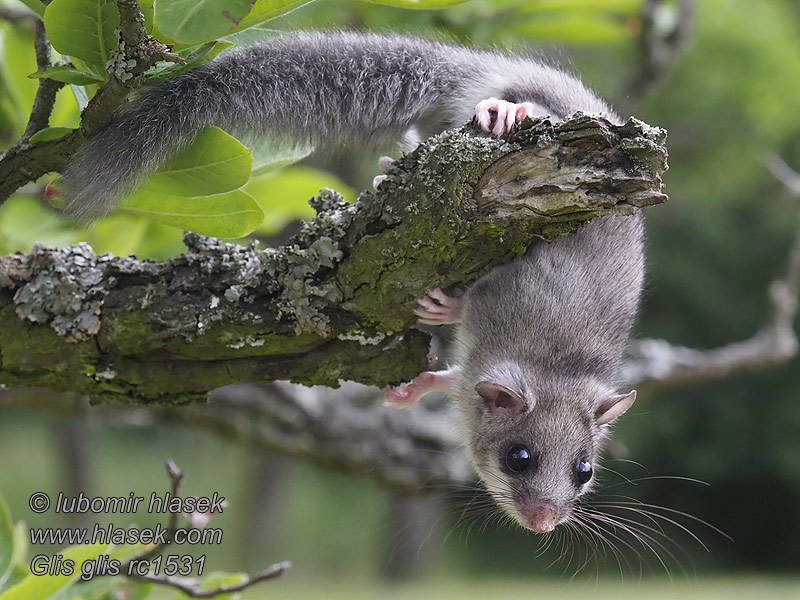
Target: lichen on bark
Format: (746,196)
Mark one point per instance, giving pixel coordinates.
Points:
(337,302)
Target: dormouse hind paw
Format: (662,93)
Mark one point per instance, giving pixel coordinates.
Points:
(437,308)
(422,384)
(502,113)
(384,163)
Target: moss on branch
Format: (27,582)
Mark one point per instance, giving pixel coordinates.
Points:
(337,303)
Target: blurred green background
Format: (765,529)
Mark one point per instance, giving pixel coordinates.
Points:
(732,97)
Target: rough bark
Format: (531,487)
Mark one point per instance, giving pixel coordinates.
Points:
(338,302)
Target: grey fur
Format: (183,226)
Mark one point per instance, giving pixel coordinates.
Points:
(309,87)
(552,326)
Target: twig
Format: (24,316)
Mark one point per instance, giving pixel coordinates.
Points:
(137,39)
(191,587)
(139,49)
(784,173)
(659,362)
(46,92)
(176,478)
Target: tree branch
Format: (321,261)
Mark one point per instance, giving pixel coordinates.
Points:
(657,362)
(350,428)
(338,302)
(46,92)
(176,476)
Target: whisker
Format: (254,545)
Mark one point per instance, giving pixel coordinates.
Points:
(633,525)
(647,541)
(654,507)
(656,477)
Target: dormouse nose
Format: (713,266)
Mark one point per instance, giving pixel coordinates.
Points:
(540,516)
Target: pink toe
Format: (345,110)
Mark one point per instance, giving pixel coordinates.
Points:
(385,163)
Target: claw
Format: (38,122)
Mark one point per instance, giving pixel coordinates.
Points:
(377,180)
(504,114)
(385,163)
(437,308)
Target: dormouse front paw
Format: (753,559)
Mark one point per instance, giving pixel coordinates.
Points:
(504,115)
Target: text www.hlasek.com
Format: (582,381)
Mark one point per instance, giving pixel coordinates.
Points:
(110,534)
(117,535)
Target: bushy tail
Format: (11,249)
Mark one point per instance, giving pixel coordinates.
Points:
(113,162)
(309,87)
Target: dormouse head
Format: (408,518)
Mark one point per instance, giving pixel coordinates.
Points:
(535,446)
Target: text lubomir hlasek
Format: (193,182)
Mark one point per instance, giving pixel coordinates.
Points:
(159,504)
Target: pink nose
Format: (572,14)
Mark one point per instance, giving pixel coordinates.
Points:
(540,516)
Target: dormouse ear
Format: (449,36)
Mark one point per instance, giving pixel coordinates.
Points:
(499,399)
(611,407)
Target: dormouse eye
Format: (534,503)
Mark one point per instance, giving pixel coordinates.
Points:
(583,471)
(518,458)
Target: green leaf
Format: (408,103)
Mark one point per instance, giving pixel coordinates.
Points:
(194,56)
(83,28)
(251,35)
(6,543)
(42,587)
(196,21)
(229,215)
(189,22)
(198,189)
(67,75)
(50,133)
(18,91)
(270,155)
(37,6)
(628,7)
(264,10)
(575,29)
(146,6)
(418,4)
(216,162)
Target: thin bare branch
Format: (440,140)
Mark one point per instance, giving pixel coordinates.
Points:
(194,589)
(176,478)
(46,92)
(657,362)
